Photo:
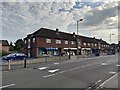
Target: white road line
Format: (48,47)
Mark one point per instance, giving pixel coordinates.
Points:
(69,70)
(7,86)
(112,72)
(108,80)
(48,75)
(98,82)
(52,71)
(118,65)
(42,68)
(104,64)
(56,63)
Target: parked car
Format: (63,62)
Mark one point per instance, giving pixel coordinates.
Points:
(111,52)
(14,56)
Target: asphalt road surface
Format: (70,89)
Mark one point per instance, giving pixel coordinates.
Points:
(66,74)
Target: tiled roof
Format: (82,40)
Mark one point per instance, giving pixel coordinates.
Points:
(48,33)
(4,42)
(43,32)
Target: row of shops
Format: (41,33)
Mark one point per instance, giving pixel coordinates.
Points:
(55,42)
(72,51)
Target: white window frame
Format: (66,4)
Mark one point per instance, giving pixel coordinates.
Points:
(33,39)
(88,44)
(72,42)
(28,43)
(84,44)
(58,41)
(28,40)
(95,44)
(48,40)
(25,41)
(66,42)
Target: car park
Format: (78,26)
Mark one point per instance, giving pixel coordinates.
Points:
(15,56)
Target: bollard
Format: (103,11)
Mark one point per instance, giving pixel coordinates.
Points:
(9,65)
(25,63)
(46,58)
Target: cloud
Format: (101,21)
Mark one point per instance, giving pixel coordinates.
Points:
(22,18)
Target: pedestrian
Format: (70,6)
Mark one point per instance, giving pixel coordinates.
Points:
(68,55)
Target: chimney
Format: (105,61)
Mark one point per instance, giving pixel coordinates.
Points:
(73,34)
(94,38)
(57,30)
(100,39)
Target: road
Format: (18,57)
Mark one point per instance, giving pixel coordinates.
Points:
(65,74)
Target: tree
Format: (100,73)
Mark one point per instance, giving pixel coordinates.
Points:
(11,47)
(19,44)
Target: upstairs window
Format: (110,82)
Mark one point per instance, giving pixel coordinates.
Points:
(84,44)
(95,44)
(33,39)
(48,40)
(66,42)
(88,44)
(25,41)
(72,42)
(58,41)
(28,43)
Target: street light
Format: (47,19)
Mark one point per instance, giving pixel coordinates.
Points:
(110,37)
(78,39)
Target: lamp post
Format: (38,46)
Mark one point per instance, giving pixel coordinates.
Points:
(110,37)
(78,40)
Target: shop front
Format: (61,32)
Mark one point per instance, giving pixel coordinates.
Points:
(72,51)
(49,51)
(95,52)
(86,51)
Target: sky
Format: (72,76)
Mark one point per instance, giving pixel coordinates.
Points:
(22,17)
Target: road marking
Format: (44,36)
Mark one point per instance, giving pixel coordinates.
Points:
(56,63)
(53,71)
(7,86)
(43,68)
(104,64)
(112,72)
(108,80)
(48,75)
(118,65)
(98,82)
(69,70)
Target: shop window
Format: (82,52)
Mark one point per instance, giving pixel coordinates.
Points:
(58,41)
(48,40)
(66,42)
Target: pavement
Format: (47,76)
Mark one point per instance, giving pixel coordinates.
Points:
(85,73)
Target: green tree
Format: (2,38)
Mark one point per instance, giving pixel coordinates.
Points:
(19,44)
(11,47)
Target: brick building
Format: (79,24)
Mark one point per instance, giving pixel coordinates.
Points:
(4,46)
(55,42)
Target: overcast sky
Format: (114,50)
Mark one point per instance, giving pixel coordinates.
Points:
(100,19)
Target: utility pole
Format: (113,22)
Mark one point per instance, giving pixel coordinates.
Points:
(78,40)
